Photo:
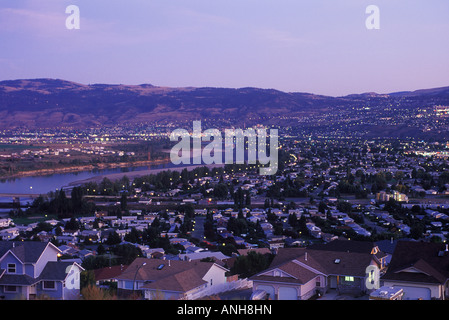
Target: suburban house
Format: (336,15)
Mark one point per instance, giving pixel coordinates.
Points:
(106,275)
(172,279)
(300,273)
(344,245)
(421,269)
(29,270)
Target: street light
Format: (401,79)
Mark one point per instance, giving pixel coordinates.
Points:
(135,275)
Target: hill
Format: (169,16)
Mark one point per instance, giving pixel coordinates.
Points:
(42,103)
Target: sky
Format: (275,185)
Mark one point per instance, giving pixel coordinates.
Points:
(316,46)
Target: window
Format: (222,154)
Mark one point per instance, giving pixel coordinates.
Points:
(349,279)
(49,285)
(10,289)
(129,285)
(11,268)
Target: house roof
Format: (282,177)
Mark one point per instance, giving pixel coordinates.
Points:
(344,245)
(27,251)
(304,264)
(17,280)
(419,262)
(56,270)
(244,252)
(179,282)
(108,273)
(202,255)
(168,275)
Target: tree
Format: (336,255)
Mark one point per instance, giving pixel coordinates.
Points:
(77,199)
(60,205)
(293,220)
(221,191)
(95,262)
(247,198)
(101,249)
(87,277)
(239,198)
(133,236)
(123,202)
(344,206)
(72,224)
(322,207)
(113,238)
(127,253)
(249,265)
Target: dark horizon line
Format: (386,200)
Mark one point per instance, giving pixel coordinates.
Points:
(223,87)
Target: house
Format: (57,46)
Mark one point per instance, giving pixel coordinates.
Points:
(344,245)
(313,230)
(31,269)
(9,234)
(171,279)
(68,250)
(300,273)
(5,222)
(421,269)
(216,256)
(108,274)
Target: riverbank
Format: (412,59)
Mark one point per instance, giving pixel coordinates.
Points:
(135,174)
(90,167)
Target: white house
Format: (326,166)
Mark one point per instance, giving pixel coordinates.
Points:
(172,279)
(421,269)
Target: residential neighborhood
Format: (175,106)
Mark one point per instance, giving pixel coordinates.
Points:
(334,223)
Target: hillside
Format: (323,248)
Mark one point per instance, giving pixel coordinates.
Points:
(42,103)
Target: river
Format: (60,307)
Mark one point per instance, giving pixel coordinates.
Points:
(35,185)
(47,183)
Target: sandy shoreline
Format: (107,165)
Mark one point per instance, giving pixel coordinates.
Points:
(134,174)
(89,167)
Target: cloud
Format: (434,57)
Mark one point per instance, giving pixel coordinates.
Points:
(30,21)
(280,37)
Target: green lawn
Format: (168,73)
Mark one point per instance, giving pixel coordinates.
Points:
(28,220)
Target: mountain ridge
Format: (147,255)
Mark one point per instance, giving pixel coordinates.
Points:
(47,102)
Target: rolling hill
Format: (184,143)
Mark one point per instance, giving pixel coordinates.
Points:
(42,103)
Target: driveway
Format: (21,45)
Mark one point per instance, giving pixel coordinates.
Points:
(333,294)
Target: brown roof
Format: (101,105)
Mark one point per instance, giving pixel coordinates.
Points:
(429,261)
(304,264)
(244,252)
(345,245)
(108,273)
(169,275)
(351,246)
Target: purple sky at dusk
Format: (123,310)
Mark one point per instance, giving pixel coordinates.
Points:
(317,46)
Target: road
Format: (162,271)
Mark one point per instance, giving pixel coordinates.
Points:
(198,229)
